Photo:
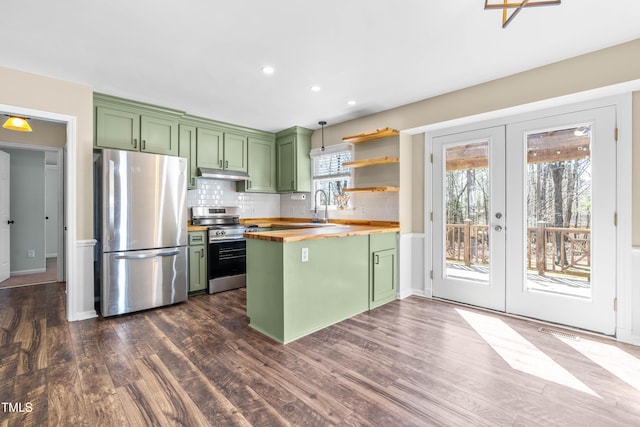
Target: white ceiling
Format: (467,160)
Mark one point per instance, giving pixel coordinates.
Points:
(205,56)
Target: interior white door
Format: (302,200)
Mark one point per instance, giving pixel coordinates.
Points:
(469,217)
(5,230)
(562,247)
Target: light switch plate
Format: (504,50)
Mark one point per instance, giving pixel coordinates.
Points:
(305,254)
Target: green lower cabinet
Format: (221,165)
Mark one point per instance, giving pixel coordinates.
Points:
(383,269)
(197,261)
(288,298)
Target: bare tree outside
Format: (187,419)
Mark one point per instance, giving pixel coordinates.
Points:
(558,202)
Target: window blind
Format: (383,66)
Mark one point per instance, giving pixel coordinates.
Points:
(328,165)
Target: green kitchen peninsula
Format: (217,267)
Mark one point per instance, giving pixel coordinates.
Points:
(301,280)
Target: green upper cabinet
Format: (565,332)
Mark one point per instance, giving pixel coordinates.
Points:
(261,165)
(292,160)
(158,135)
(210,148)
(235,152)
(125,125)
(187,142)
(117,129)
(220,150)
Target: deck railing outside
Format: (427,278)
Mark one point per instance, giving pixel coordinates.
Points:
(549,249)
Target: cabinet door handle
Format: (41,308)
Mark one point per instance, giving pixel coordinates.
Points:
(144,144)
(220,162)
(292,186)
(226,164)
(135,143)
(248,184)
(377,259)
(202,253)
(193,182)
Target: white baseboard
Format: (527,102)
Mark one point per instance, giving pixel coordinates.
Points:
(23,272)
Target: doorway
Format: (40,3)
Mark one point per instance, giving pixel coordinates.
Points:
(524,218)
(36,195)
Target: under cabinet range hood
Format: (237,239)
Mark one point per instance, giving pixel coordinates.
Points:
(227,175)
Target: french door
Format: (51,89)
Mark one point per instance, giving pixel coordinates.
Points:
(524,218)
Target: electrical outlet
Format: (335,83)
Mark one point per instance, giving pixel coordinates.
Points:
(305,254)
(31,253)
(362,210)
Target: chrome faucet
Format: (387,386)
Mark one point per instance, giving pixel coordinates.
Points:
(326,206)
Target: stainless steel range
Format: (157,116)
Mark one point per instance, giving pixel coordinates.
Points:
(226,250)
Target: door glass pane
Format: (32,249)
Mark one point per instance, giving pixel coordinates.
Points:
(466,195)
(559,211)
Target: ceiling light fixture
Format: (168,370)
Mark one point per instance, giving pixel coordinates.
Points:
(517,5)
(315,88)
(322,123)
(351,102)
(17,123)
(268,70)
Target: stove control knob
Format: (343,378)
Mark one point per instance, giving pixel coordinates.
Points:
(224,233)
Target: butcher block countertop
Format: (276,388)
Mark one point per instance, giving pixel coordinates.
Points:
(302,229)
(197,227)
(310,231)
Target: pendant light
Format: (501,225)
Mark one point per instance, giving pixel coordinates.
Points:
(17,123)
(322,123)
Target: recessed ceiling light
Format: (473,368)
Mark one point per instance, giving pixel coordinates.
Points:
(315,88)
(268,70)
(351,102)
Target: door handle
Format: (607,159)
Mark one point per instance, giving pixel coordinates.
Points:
(10,222)
(146,256)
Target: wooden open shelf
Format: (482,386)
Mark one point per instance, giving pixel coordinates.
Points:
(371,189)
(371,162)
(371,135)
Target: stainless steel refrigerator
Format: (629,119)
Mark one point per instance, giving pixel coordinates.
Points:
(141,228)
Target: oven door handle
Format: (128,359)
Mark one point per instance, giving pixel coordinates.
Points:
(146,256)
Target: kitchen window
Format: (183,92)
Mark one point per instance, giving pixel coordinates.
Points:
(330,175)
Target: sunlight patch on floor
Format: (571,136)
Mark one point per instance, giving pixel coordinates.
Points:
(617,361)
(519,353)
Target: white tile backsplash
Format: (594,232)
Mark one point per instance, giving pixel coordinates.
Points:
(212,192)
(366,206)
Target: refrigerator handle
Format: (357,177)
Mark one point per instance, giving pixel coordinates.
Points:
(111,197)
(145,256)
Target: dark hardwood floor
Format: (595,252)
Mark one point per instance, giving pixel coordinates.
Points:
(412,362)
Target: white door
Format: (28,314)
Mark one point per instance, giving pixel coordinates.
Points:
(524,218)
(51,197)
(561,233)
(468,217)
(5,231)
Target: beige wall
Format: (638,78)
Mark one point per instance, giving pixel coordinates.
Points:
(606,67)
(31,91)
